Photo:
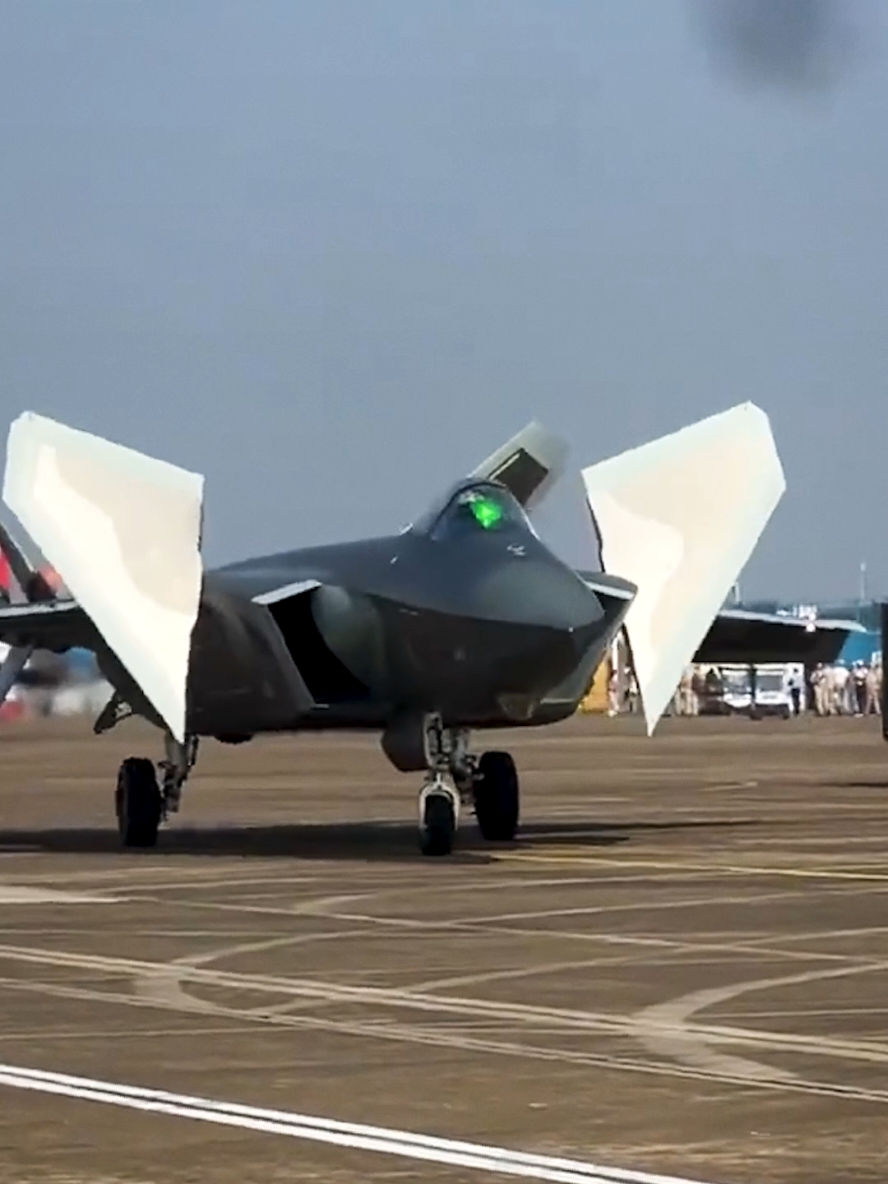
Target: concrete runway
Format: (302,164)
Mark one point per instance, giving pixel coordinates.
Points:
(681,967)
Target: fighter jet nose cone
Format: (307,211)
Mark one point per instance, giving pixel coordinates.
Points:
(540,593)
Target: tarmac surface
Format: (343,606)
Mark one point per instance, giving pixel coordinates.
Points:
(680,967)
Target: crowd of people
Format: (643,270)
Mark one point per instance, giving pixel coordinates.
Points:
(847,690)
(853,689)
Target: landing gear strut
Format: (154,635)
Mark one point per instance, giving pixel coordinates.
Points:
(174,769)
(456,777)
(141,804)
(449,770)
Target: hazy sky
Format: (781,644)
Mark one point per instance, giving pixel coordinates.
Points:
(331,253)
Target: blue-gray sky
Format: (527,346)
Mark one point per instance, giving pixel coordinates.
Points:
(331,253)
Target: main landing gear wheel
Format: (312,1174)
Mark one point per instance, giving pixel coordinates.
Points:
(497,797)
(438,819)
(138,802)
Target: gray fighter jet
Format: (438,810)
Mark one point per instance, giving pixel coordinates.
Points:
(462,622)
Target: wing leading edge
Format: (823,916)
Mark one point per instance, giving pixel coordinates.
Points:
(737,635)
(741,636)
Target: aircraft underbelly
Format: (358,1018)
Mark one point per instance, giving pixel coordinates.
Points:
(468,667)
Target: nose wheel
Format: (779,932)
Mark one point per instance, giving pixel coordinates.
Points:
(438,818)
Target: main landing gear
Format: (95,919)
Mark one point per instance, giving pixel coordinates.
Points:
(141,801)
(455,778)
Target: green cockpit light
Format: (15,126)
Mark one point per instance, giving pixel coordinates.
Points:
(482,507)
(486,512)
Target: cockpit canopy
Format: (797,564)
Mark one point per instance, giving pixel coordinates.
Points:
(474,508)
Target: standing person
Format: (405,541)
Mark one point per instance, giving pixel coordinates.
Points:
(697,689)
(794,686)
(859,683)
(873,703)
(840,679)
(818,680)
(714,689)
(613,694)
(632,694)
(829,690)
(808,685)
(684,692)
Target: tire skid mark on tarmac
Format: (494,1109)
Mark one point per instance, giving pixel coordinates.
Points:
(434,1037)
(676,945)
(645,906)
(477,922)
(496,976)
(638,1025)
(151,872)
(567,858)
(828,934)
(52,1035)
(168,987)
(673,1036)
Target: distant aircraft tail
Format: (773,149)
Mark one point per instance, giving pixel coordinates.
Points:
(680,517)
(36,584)
(123,532)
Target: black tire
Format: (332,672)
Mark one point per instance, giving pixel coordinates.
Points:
(497,797)
(440,825)
(138,803)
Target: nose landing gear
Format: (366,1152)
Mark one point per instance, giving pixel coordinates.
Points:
(456,777)
(448,781)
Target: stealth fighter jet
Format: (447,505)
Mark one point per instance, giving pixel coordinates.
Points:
(462,622)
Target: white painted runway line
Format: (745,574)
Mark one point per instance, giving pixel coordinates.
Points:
(356,1136)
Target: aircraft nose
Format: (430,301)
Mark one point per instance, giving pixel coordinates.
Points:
(541,593)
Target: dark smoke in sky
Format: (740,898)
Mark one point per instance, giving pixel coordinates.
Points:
(792,44)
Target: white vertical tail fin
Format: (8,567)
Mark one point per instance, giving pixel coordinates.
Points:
(123,532)
(528,465)
(679,518)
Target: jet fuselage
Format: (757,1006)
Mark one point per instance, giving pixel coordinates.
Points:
(466,614)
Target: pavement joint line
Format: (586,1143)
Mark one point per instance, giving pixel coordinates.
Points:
(570,859)
(356,1136)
